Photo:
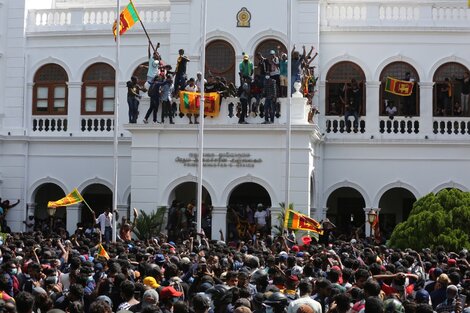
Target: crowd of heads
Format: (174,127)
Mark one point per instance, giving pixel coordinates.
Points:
(264,272)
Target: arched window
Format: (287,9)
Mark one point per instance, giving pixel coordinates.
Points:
(406,105)
(220,60)
(265,47)
(98,89)
(339,91)
(50,90)
(446,100)
(141,73)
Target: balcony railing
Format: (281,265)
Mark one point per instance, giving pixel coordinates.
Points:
(49,124)
(343,13)
(398,125)
(338,125)
(451,126)
(79,19)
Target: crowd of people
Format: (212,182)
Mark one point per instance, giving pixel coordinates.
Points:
(265,79)
(262,271)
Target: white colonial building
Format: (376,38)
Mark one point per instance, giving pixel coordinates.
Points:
(57,75)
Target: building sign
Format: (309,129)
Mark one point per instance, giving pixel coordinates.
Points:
(223,159)
(243,18)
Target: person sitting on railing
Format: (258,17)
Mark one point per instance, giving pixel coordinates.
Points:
(390,108)
(353,92)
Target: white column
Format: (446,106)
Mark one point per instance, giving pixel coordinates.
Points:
(367,232)
(322,107)
(73,217)
(275,212)
(372,107)
(74,107)
(219,222)
(425,107)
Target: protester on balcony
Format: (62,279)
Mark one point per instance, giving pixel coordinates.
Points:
(245,68)
(133,96)
(154,63)
(283,75)
(154,94)
(275,71)
(192,87)
(256,92)
(296,66)
(199,82)
(353,95)
(457,109)
(390,109)
(409,102)
(270,94)
(263,65)
(180,72)
(243,94)
(444,99)
(166,91)
(465,92)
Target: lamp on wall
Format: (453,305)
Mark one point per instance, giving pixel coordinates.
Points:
(371,216)
(51,213)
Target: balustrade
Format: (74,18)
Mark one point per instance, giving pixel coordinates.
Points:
(49,124)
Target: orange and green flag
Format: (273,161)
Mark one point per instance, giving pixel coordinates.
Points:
(102,252)
(399,87)
(191,101)
(70,199)
(297,221)
(127,19)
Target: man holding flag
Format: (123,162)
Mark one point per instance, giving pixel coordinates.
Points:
(105,221)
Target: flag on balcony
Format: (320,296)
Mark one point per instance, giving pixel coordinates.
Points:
(191,101)
(127,18)
(399,87)
(294,220)
(70,199)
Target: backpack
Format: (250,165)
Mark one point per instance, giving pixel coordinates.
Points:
(153,90)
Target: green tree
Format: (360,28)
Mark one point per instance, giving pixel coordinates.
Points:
(149,225)
(436,219)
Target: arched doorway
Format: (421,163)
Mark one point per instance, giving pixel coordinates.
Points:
(186,192)
(220,60)
(346,210)
(446,91)
(265,47)
(395,206)
(99,197)
(406,105)
(243,202)
(45,193)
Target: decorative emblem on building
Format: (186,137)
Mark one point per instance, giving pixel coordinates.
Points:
(243,18)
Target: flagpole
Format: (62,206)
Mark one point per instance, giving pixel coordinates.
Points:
(116,118)
(142,24)
(201,120)
(289,101)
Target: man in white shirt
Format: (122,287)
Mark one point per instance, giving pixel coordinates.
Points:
(305,289)
(260,218)
(105,221)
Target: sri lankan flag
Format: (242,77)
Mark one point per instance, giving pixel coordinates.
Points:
(102,252)
(70,199)
(294,220)
(191,101)
(127,18)
(399,87)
